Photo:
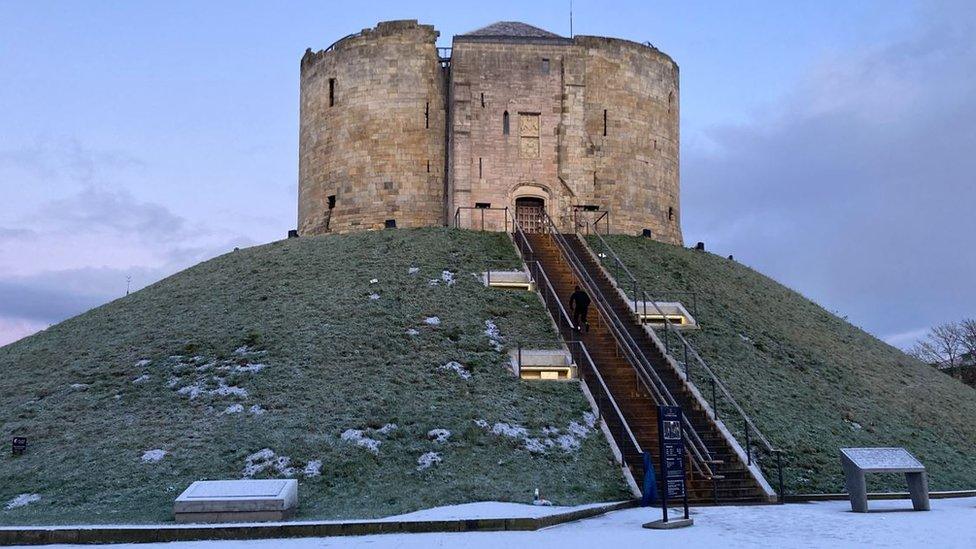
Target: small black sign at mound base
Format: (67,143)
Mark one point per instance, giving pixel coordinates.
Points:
(670,524)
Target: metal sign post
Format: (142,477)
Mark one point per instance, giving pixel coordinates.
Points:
(672,458)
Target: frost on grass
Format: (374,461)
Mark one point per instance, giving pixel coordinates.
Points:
(481,423)
(374,296)
(313,468)
(79,386)
(153,456)
(256,409)
(494,336)
(143,363)
(359,438)
(22,500)
(141,379)
(457,368)
(428,460)
(267,460)
(439,435)
(234,409)
(432,321)
(412,332)
(509,430)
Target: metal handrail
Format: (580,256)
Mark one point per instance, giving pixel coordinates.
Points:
(749,425)
(564,324)
(697,448)
(457,215)
(669,326)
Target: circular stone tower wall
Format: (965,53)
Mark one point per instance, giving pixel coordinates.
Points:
(631,121)
(372,127)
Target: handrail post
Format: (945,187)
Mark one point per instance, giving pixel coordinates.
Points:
(482,219)
(745,424)
(687,376)
(519,362)
(714,402)
(779,467)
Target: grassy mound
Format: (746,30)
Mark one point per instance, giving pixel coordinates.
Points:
(812,382)
(286,360)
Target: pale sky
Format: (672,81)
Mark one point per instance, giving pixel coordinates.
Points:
(828,144)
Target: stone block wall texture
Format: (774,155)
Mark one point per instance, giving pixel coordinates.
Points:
(591,121)
(378,145)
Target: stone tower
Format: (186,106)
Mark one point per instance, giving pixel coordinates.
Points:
(582,128)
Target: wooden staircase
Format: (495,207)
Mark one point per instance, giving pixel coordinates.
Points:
(729,480)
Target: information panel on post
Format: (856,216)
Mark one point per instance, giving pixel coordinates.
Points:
(669,423)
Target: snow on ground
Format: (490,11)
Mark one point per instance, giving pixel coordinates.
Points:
(153,456)
(359,438)
(143,363)
(79,386)
(412,332)
(374,296)
(266,459)
(234,409)
(825,525)
(494,336)
(313,468)
(457,368)
(413,270)
(427,460)
(256,409)
(22,500)
(387,429)
(141,379)
(432,321)
(551,437)
(448,278)
(439,435)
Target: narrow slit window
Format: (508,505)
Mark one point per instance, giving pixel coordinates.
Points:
(604,122)
(427,115)
(331,201)
(545,66)
(670,100)
(670,213)
(505,123)
(331,92)
(482,100)
(428,166)
(480,168)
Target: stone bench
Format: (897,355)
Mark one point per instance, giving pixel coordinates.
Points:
(859,461)
(237,501)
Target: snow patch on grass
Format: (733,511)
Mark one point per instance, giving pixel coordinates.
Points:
(234,409)
(313,468)
(494,336)
(428,460)
(22,500)
(143,363)
(79,386)
(387,429)
(448,278)
(153,456)
(439,436)
(549,437)
(509,430)
(457,368)
(374,296)
(413,270)
(412,332)
(256,409)
(432,321)
(266,460)
(359,438)
(141,379)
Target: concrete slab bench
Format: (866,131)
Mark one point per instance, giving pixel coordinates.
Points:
(211,501)
(859,461)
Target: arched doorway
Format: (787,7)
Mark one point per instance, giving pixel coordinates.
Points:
(529,211)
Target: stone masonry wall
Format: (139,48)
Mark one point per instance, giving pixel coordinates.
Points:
(591,121)
(379,147)
(635,164)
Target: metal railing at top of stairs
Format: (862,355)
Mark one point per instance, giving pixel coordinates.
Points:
(616,421)
(699,455)
(672,333)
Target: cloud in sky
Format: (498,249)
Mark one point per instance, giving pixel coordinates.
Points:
(859,188)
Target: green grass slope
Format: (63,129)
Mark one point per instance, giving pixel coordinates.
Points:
(812,382)
(162,369)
